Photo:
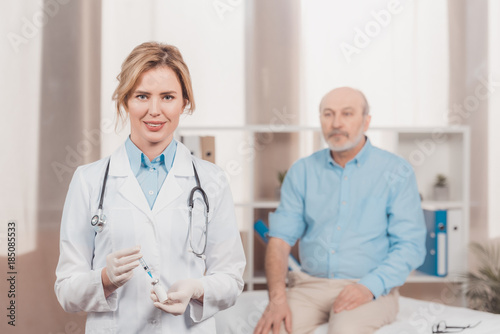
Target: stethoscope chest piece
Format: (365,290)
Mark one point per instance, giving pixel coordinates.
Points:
(98,221)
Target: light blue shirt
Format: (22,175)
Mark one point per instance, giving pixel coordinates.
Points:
(363,221)
(150,174)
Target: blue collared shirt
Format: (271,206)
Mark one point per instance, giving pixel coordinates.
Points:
(363,221)
(150,174)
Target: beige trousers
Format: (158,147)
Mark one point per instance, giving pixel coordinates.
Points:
(311,300)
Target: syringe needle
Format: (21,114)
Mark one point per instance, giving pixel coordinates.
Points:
(145,267)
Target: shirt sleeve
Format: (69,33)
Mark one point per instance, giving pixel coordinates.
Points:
(225,260)
(78,286)
(406,232)
(287,222)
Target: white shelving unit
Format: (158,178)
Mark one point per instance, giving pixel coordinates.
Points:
(431,151)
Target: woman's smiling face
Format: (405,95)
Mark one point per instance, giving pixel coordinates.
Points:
(154,108)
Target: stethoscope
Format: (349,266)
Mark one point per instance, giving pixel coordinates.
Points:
(98,221)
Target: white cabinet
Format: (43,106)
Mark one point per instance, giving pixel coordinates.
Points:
(252,157)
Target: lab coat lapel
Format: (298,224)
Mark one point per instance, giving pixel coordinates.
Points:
(171,189)
(130,188)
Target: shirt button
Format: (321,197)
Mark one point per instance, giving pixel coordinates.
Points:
(151,169)
(151,192)
(345,177)
(153,321)
(338,228)
(343,202)
(333,252)
(332,275)
(358,164)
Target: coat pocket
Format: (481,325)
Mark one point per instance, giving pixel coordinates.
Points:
(101,323)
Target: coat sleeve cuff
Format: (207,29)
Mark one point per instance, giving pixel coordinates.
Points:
(198,311)
(374,284)
(104,304)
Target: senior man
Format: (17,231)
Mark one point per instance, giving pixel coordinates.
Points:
(356,210)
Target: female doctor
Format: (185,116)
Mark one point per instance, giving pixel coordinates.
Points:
(144,214)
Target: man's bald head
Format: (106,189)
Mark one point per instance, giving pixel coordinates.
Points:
(349,95)
(344,119)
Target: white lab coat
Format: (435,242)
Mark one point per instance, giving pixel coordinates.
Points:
(163,235)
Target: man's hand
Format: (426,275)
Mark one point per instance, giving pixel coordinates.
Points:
(276,311)
(351,297)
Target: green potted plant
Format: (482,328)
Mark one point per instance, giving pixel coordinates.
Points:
(483,284)
(441,190)
(281,178)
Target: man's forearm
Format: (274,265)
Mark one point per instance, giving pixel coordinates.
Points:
(276,268)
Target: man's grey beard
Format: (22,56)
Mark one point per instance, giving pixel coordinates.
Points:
(349,145)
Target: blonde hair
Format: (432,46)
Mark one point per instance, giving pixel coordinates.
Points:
(143,58)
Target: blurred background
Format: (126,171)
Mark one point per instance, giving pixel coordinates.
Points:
(421,63)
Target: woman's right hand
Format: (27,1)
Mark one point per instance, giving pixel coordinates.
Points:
(119,268)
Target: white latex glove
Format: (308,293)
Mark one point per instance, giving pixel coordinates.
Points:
(120,265)
(179,295)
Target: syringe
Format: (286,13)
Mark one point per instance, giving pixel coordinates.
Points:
(155,282)
(145,267)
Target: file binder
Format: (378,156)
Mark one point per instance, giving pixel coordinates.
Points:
(202,147)
(457,253)
(262,229)
(436,258)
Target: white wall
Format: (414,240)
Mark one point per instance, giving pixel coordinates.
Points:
(494,119)
(210,36)
(20,65)
(396,52)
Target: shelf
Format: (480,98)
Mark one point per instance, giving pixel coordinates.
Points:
(415,277)
(297,128)
(418,277)
(430,205)
(430,150)
(252,128)
(442,205)
(259,280)
(259,204)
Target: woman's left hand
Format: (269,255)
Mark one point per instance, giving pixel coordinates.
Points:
(179,295)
